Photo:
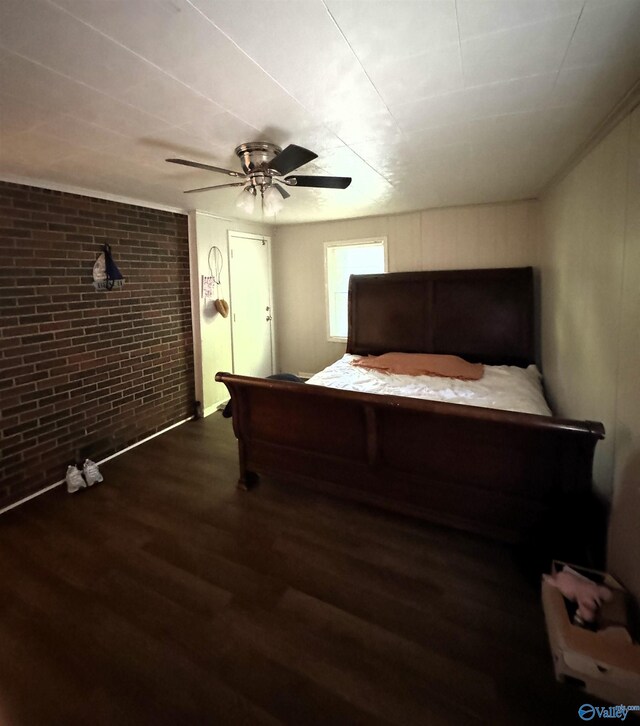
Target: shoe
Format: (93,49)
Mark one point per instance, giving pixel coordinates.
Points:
(74,480)
(91,473)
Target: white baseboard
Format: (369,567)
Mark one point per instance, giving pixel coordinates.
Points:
(102,461)
(214,407)
(32,496)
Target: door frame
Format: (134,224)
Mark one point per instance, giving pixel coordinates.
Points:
(267,240)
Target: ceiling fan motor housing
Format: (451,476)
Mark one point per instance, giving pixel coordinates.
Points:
(256,155)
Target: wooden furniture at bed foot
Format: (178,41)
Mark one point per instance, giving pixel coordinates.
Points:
(497,473)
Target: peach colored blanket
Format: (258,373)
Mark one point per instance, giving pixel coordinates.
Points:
(423,364)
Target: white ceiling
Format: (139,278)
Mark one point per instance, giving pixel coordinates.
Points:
(424,103)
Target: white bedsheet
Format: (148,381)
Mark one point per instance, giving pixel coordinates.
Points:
(504,387)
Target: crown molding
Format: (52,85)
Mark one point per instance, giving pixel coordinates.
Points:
(232,220)
(626,105)
(81,191)
(420,210)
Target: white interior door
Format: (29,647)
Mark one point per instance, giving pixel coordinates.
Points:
(251,313)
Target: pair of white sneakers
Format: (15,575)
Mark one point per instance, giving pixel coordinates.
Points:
(77,479)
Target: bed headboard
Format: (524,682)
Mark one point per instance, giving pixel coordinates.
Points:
(481,315)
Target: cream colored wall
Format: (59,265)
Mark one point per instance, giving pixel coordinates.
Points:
(624,542)
(590,267)
(583,244)
(491,235)
(211,331)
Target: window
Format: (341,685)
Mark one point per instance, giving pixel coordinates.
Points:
(343,259)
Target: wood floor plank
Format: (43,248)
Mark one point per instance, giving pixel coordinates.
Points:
(166,596)
(354,679)
(438,672)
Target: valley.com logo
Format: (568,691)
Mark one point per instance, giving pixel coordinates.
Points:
(587,712)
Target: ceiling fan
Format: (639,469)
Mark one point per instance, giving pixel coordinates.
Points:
(265,168)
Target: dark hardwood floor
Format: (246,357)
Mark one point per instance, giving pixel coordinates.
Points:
(166,596)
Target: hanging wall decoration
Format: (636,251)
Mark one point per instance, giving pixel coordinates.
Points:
(222,306)
(211,282)
(106,274)
(208,287)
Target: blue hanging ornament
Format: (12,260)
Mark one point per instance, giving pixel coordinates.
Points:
(106,274)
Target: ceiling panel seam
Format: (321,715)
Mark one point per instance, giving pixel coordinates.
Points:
(86,85)
(337,136)
(272,78)
(464,82)
(364,70)
(150,63)
(566,52)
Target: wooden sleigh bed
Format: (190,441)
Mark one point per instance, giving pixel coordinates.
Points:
(494,472)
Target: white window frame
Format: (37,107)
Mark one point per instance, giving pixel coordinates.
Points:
(350,243)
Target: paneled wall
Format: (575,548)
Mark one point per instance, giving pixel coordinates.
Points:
(80,369)
(590,259)
(213,332)
(491,235)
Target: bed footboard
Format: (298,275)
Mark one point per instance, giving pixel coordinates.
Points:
(496,473)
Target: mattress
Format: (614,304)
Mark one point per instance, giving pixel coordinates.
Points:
(508,388)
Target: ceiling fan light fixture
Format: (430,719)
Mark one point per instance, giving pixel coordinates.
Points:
(272,201)
(246,200)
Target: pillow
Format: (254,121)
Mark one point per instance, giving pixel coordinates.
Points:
(423,364)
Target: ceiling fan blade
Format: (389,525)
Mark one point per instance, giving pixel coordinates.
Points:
(291,158)
(216,186)
(208,167)
(326,182)
(282,190)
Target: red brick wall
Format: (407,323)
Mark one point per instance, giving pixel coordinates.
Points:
(84,372)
